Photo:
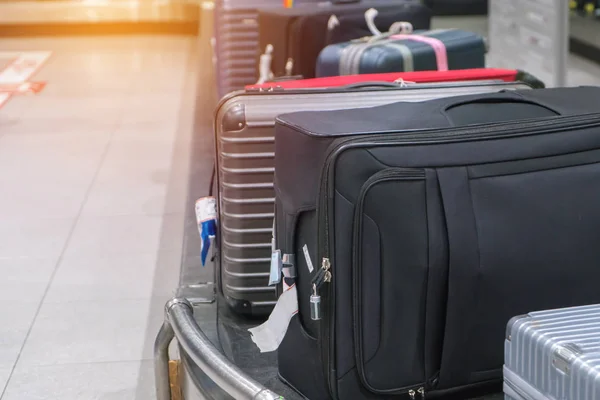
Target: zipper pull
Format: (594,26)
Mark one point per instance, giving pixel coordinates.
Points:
(323,276)
(326,266)
(413,393)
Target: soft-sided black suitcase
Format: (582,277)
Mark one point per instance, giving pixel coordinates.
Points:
(299,34)
(429,225)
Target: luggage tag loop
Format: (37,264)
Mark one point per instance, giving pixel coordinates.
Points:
(401,27)
(404,83)
(333,22)
(264,65)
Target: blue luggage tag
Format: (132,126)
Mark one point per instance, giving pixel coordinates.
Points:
(206,216)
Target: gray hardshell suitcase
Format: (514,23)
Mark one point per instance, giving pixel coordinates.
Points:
(244,124)
(553,354)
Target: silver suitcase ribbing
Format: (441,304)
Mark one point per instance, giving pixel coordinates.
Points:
(554,355)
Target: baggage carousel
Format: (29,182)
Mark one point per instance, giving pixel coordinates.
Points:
(218,360)
(204,350)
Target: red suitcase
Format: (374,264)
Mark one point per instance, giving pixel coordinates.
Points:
(479,74)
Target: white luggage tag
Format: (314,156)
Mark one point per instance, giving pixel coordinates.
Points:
(264,66)
(333,22)
(276,262)
(270,334)
(276,267)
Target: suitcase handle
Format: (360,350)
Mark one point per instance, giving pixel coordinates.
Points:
(374,84)
(504,97)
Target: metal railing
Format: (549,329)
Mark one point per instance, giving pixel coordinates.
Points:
(180,324)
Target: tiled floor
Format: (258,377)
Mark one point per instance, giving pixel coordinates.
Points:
(93,172)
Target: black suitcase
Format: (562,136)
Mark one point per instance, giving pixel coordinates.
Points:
(457,7)
(429,225)
(299,34)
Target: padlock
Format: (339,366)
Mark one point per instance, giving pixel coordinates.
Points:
(315,305)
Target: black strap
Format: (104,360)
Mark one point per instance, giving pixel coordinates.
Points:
(211,186)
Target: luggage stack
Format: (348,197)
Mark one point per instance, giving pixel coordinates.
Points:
(299,34)
(413,203)
(259,40)
(245,163)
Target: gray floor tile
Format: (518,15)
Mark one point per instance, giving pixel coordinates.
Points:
(82,332)
(102,381)
(61,157)
(17,318)
(47,198)
(177,194)
(4,375)
(75,125)
(126,198)
(160,131)
(25,279)
(89,107)
(151,164)
(115,235)
(34,236)
(138,276)
(150,127)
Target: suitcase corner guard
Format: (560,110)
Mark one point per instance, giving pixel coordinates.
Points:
(179,324)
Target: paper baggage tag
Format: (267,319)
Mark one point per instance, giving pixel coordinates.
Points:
(276,267)
(270,334)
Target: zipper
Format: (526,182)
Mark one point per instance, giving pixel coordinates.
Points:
(386,175)
(436,135)
(420,392)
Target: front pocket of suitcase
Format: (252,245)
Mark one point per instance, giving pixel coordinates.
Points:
(522,236)
(390,277)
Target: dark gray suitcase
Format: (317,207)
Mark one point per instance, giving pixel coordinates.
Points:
(553,354)
(429,225)
(245,163)
(236,41)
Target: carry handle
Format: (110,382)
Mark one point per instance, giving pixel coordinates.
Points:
(503,96)
(370,16)
(401,27)
(374,84)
